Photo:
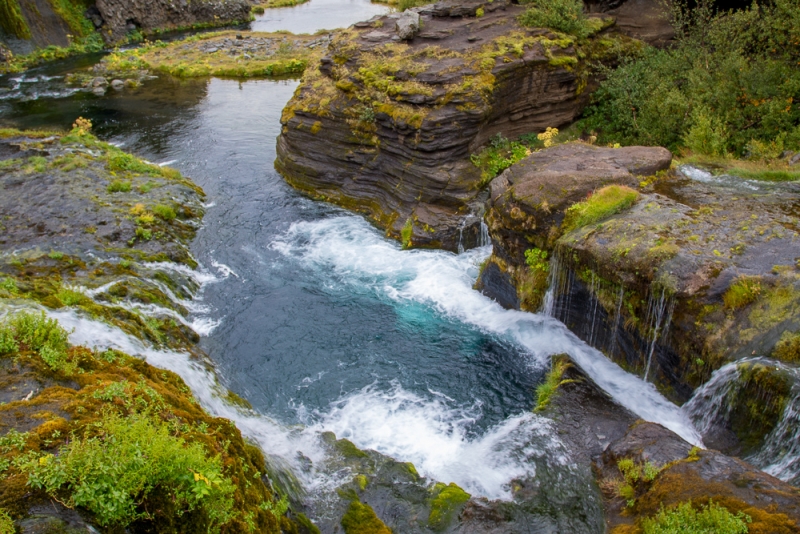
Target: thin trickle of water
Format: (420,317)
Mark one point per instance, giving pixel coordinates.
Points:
(617,320)
(593,292)
(655,311)
(484,239)
(553,282)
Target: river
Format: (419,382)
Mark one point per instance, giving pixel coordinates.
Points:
(308,312)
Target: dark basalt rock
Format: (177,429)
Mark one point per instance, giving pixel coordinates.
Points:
(387,128)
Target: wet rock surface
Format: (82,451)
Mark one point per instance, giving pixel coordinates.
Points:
(385,126)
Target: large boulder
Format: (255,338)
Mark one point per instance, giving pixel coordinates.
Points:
(386,127)
(698,271)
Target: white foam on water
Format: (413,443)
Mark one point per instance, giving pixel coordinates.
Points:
(168,162)
(353,253)
(432,435)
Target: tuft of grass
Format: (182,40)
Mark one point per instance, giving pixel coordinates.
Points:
(686,519)
(37,333)
(119,186)
(546,390)
(601,204)
(12,21)
(742,292)
(128,458)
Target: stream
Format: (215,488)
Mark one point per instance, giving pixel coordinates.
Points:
(307,311)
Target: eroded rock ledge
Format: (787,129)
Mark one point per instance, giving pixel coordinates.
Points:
(385,126)
(695,272)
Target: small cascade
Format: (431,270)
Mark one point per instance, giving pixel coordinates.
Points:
(712,406)
(593,291)
(657,312)
(483,238)
(559,283)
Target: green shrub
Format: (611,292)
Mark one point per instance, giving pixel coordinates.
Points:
(165,212)
(742,292)
(601,204)
(685,519)
(119,186)
(501,154)
(537,259)
(113,473)
(70,297)
(730,86)
(565,16)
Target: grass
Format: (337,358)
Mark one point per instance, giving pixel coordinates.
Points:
(35,332)
(288,57)
(406,232)
(742,292)
(165,212)
(788,347)
(86,45)
(119,186)
(12,21)
(565,16)
(269,4)
(686,519)
(6,524)
(548,388)
(601,204)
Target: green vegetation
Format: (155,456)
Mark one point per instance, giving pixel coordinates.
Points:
(165,212)
(119,186)
(499,155)
(758,402)
(742,292)
(72,12)
(731,86)
(686,519)
(601,204)
(788,348)
(128,459)
(6,524)
(553,379)
(37,333)
(78,45)
(185,59)
(634,475)
(360,518)
(261,7)
(447,499)
(406,232)
(11,20)
(565,16)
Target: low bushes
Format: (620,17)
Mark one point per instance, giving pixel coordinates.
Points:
(602,203)
(686,519)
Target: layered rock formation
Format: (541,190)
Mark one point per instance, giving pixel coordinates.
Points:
(698,271)
(386,126)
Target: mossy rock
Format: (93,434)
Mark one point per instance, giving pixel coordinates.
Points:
(360,518)
(446,501)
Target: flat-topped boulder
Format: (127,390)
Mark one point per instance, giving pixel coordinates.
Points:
(386,123)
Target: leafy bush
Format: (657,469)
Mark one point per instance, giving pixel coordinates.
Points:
(685,519)
(39,334)
(602,203)
(565,16)
(113,473)
(498,156)
(730,86)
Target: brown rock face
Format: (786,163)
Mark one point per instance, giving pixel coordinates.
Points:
(118,17)
(386,127)
(646,20)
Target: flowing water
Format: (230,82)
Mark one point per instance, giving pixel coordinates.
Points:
(309,313)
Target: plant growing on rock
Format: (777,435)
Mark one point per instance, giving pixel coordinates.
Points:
(600,205)
(686,519)
(742,292)
(553,379)
(565,16)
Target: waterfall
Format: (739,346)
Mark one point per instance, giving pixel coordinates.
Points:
(484,239)
(617,318)
(712,403)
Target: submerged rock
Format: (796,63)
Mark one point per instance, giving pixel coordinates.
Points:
(386,127)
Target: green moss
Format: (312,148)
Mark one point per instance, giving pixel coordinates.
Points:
(758,402)
(347,449)
(360,518)
(601,204)
(12,21)
(445,502)
(119,186)
(562,15)
(361,481)
(72,12)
